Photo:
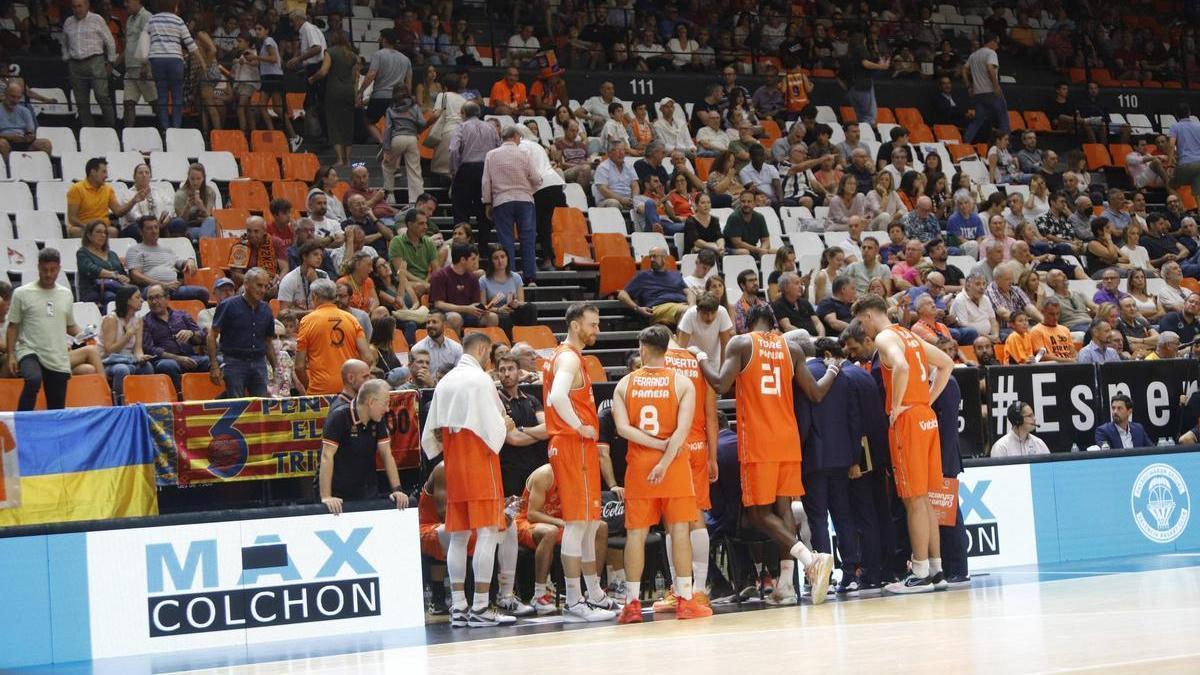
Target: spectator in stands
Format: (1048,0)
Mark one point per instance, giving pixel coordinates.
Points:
(1075,307)
(417,251)
(939,257)
(295,288)
(503,291)
(90,52)
(121,338)
(510,180)
(761,177)
(706,325)
(92,199)
(673,134)
(1186,232)
(1167,347)
(971,308)
(150,263)
(658,294)
(442,350)
(746,229)
(793,310)
(279,227)
(1171,295)
(905,274)
(1144,170)
(1161,246)
(1138,333)
(39,320)
(376,200)
(849,150)
(1122,432)
(883,203)
(1018,345)
(328,337)
(223,289)
(964,228)
(921,224)
(1098,351)
(1003,167)
(171,338)
(138,80)
(357,270)
(570,152)
(870,267)
(1184,322)
(509,95)
(832,262)
(405,121)
(1055,225)
(1117,210)
(373,233)
(195,201)
(1007,298)
(834,310)
(1110,288)
(946,107)
(454,290)
(898,139)
(799,184)
(711,139)
(100,272)
(470,142)
(387,70)
(615,182)
(594,111)
(169,37)
(310,56)
(1184,149)
(982,74)
(781,149)
(255,249)
(1175,212)
(159,203)
(1052,336)
(1020,441)
(303,233)
(861,62)
(747,281)
(326,183)
(522,47)
(927,326)
(242,329)
(18,130)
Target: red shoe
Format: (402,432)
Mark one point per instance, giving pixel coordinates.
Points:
(689,608)
(632,613)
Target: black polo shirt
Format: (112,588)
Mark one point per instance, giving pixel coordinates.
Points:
(517,462)
(800,315)
(840,310)
(618,447)
(357,440)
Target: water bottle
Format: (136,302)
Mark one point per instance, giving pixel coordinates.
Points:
(1104,445)
(660,585)
(1074,447)
(428,595)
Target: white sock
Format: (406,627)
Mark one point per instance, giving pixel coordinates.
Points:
(670,558)
(700,558)
(459,599)
(683,587)
(758,567)
(480,602)
(935,566)
(507,580)
(617,576)
(539,590)
(787,573)
(574,592)
(595,590)
(800,552)
(920,568)
(633,590)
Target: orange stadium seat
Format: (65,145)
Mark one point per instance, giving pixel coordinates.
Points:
(771,129)
(231,218)
(1118,152)
(294,191)
(1037,120)
(847,114)
(261,166)
(399,344)
(538,337)
(497,334)
(84,391)
(197,387)
(300,166)
(204,277)
(573,244)
(606,244)
(947,133)
(703,166)
(1097,156)
(671,264)
(920,134)
(1188,199)
(273,142)
(595,369)
(228,140)
(249,194)
(1015,121)
(192,307)
(10,393)
(885,116)
(910,117)
(568,219)
(967,352)
(214,251)
(294,101)
(958,151)
(1001,354)
(274,304)
(340,189)
(615,273)
(149,389)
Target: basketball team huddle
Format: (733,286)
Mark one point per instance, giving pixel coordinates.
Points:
(666,411)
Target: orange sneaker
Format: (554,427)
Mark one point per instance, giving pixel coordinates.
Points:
(691,609)
(631,613)
(701,598)
(667,604)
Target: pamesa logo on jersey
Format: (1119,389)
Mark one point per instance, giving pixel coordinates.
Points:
(1160,502)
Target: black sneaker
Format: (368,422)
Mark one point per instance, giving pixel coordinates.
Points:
(959,580)
(939,582)
(848,586)
(437,605)
(910,584)
(458,618)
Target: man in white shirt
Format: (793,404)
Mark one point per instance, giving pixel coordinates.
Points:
(1144,169)
(673,133)
(706,260)
(706,325)
(594,111)
(871,267)
(523,46)
(295,289)
(711,139)
(312,53)
(971,308)
(328,230)
(761,177)
(90,52)
(1020,441)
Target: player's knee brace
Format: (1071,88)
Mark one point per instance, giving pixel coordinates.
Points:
(588,544)
(572,540)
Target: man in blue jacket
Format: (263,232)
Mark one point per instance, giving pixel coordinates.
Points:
(1122,431)
(954,538)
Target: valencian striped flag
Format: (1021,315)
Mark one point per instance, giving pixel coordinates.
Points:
(78,464)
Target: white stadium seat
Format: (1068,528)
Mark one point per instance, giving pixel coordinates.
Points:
(219,166)
(52,196)
(15,197)
(606,220)
(187,141)
(98,141)
(172,166)
(62,139)
(73,165)
(181,246)
(67,249)
(40,226)
(576,197)
(30,167)
(644,241)
(141,139)
(58,105)
(122,164)
(86,314)
(20,256)
(6,229)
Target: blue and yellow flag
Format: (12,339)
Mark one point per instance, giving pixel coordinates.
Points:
(81,464)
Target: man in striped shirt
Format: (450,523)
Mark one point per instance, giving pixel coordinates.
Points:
(169,38)
(470,142)
(89,50)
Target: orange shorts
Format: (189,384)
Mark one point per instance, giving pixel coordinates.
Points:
(431,543)
(525,533)
(764,482)
(475,514)
(916,450)
(649,511)
(576,466)
(698,460)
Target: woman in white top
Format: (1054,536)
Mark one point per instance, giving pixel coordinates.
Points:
(1037,204)
(681,47)
(847,202)
(1147,304)
(1171,295)
(883,204)
(159,201)
(326,181)
(832,262)
(1138,255)
(448,103)
(120,341)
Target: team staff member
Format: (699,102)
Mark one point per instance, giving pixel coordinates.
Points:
(571,423)
(467,423)
(769,441)
(525,446)
(954,537)
(328,338)
(352,436)
(1019,440)
(354,373)
(916,448)
(658,481)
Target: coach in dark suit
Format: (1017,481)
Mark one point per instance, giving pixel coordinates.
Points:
(954,539)
(1122,431)
(827,432)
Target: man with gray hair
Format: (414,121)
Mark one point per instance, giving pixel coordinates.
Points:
(243,328)
(509,181)
(1167,348)
(328,337)
(793,310)
(470,142)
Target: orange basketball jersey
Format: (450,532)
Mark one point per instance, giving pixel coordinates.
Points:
(653,406)
(683,362)
(427,512)
(472,469)
(550,505)
(582,400)
(766,427)
(917,391)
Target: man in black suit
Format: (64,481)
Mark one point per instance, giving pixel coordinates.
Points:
(946,108)
(1122,431)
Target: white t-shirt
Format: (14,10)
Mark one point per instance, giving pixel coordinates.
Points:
(970,315)
(706,336)
(761,178)
(979,64)
(327,228)
(311,35)
(1138,256)
(1140,171)
(297,290)
(1170,297)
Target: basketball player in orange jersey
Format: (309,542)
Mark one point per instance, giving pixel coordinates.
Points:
(914,374)
(571,423)
(539,528)
(652,409)
(467,423)
(763,363)
(701,449)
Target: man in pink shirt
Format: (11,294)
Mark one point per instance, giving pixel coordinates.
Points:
(509,181)
(905,274)
(998,232)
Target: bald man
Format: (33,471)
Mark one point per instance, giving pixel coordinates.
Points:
(658,294)
(354,374)
(258,249)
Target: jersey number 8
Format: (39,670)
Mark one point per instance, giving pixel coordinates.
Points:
(648,420)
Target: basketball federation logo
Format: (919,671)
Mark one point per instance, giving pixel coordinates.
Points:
(1160,503)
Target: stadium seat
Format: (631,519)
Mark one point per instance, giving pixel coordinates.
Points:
(10,393)
(141,139)
(249,194)
(571,248)
(31,167)
(615,273)
(171,166)
(270,141)
(399,343)
(538,337)
(204,277)
(575,196)
(1038,121)
(62,139)
(214,251)
(920,134)
(703,166)
(180,246)
(189,142)
(192,307)
(610,244)
(301,166)
(121,165)
(496,333)
(644,241)
(98,141)
(219,165)
(1118,152)
(51,196)
(607,220)
(72,166)
(947,133)
(198,387)
(228,140)
(1097,156)
(884,116)
(961,151)
(294,191)
(86,391)
(670,264)
(261,166)
(568,219)
(149,389)
(233,218)
(910,117)
(1015,121)
(595,369)
(39,226)
(771,128)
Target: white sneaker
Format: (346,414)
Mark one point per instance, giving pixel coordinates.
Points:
(295,142)
(488,618)
(818,577)
(781,597)
(911,584)
(545,605)
(606,602)
(582,612)
(513,606)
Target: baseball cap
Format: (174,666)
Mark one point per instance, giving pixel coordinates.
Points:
(223,281)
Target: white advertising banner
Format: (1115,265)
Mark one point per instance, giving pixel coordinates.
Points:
(997,508)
